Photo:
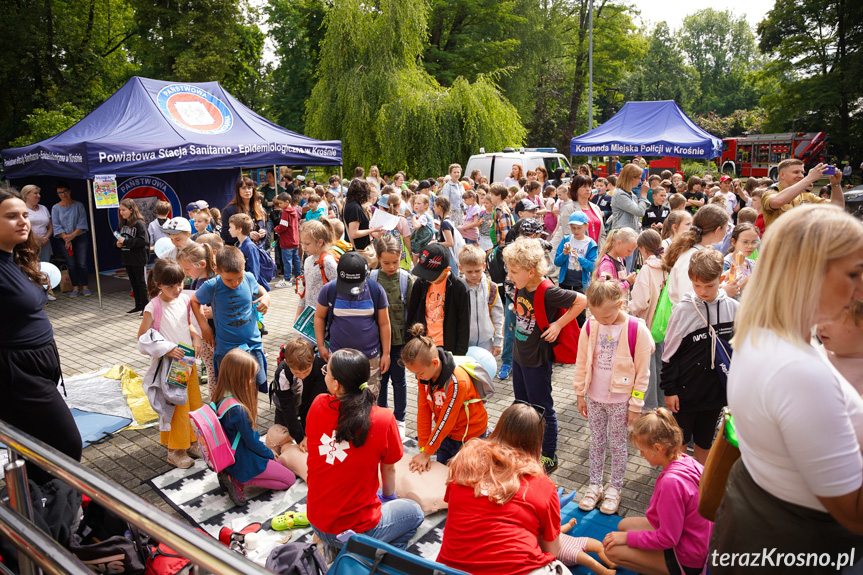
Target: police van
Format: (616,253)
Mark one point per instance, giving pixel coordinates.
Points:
(497,166)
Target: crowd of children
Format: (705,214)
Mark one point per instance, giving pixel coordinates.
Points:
(442,280)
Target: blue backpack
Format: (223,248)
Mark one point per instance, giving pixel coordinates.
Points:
(266,265)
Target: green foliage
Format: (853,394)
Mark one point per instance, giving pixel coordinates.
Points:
(739,123)
(373,95)
(816,69)
(297,29)
(41,124)
(721,49)
(695,168)
(469,38)
(663,74)
(57,52)
(199,41)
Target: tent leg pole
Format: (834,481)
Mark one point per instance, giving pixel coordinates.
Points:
(90,201)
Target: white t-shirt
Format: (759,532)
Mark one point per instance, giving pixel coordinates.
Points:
(174,325)
(39,220)
(799,422)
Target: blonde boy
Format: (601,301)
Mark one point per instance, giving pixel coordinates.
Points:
(486,308)
(532,352)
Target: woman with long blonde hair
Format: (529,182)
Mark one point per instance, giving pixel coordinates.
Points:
(798,484)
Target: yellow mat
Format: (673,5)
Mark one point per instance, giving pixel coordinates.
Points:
(135,396)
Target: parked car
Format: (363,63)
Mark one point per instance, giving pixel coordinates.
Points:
(496,166)
(854,201)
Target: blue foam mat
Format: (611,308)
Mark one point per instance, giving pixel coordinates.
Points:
(95,427)
(592,524)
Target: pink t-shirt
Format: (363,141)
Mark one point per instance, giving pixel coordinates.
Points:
(471,213)
(607,338)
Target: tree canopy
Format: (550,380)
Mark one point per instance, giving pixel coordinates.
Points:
(422,83)
(375,97)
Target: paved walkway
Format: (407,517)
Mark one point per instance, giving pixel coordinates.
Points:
(89,338)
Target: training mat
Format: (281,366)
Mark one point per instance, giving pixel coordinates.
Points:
(95,393)
(94,427)
(195,493)
(591,524)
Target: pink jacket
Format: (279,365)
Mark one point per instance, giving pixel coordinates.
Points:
(673,513)
(645,292)
(627,376)
(606,264)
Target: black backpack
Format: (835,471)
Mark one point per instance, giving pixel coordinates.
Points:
(296,559)
(495,265)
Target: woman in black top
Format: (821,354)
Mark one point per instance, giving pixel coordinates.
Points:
(245,202)
(134,245)
(356,219)
(29,362)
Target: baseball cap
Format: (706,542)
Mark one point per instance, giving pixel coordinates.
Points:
(177,225)
(203,205)
(530,226)
(192,206)
(724,178)
(525,205)
(351,273)
(423,185)
(578,219)
(301,178)
(433,260)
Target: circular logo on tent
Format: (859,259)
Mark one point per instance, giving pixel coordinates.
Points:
(147,191)
(194,109)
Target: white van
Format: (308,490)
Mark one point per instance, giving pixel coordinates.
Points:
(496,166)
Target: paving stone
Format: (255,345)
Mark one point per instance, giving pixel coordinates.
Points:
(89,339)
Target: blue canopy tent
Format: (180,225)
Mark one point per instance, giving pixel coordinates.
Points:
(648,129)
(151,127)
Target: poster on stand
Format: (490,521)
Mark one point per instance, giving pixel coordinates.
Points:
(105,191)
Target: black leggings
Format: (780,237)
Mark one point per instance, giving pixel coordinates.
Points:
(30,401)
(139,285)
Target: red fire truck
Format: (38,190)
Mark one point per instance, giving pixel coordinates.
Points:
(760,155)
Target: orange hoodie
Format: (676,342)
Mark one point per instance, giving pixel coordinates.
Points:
(451,407)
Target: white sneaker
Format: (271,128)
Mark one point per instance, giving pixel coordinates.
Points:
(402,429)
(283,284)
(51,297)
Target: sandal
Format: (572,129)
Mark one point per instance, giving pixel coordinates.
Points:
(591,498)
(611,502)
(289,520)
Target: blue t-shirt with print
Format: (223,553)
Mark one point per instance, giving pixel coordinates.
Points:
(354,322)
(317,214)
(233,312)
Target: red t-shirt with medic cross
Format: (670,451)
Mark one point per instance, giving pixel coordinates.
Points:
(509,542)
(343,479)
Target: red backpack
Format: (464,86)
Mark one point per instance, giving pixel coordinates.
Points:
(565,349)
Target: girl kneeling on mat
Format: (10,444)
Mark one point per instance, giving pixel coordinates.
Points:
(349,440)
(254,462)
(673,538)
(497,487)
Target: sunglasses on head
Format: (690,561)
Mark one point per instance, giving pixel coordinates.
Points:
(538,408)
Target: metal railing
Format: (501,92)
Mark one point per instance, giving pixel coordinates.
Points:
(205,552)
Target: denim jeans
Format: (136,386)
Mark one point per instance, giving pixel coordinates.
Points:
(400,520)
(260,377)
(449,447)
(630,261)
(400,389)
(533,385)
(77,262)
(291,262)
(508,333)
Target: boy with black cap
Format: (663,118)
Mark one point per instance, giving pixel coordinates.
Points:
(440,301)
(352,312)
